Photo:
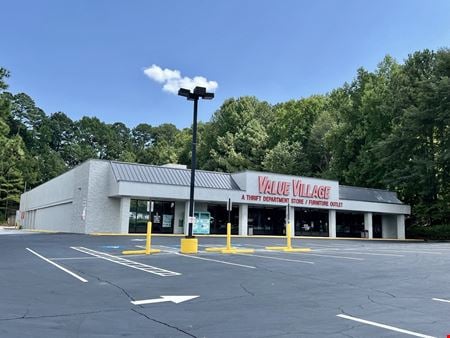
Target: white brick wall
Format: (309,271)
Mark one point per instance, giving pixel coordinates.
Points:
(103,212)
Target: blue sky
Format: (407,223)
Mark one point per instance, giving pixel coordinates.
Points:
(88,57)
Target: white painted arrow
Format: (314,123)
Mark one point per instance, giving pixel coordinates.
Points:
(173,299)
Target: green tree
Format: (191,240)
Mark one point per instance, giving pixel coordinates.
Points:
(286,158)
(363,116)
(236,138)
(11,153)
(416,153)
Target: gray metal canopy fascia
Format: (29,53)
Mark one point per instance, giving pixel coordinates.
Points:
(173,192)
(144,173)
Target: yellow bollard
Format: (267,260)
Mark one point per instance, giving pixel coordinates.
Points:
(288,247)
(148,244)
(228,249)
(228,236)
(288,235)
(148,241)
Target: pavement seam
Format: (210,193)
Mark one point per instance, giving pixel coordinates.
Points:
(163,323)
(114,285)
(58,315)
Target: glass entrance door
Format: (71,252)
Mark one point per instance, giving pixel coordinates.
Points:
(311,222)
(267,221)
(162,216)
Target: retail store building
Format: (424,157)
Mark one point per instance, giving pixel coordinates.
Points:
(116,197)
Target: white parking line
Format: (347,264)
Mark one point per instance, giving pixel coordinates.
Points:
(70,258)
(407,251)
(255,245)
(328,245)
(278,258)
(93,257)
(374,254)
(350,251)
(208,259)
(311,254)
(331,256)
(441,300)
(58,266)
(387,327)
(216,260)
(126,262)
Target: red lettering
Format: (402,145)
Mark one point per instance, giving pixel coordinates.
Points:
(297,185)
(327,192)
(286,189)
(263,181)
(308,192)
(280,188)
(299,189)
(273,189)
(315,192)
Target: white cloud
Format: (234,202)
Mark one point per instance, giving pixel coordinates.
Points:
(161,75)
(172,80)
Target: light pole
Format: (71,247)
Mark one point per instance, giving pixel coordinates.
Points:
(189,244)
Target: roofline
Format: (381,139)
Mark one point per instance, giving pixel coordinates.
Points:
(365,188)
(162,166)
(366,201)
(63,173)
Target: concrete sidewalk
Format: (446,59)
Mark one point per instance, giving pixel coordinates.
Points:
(9,230)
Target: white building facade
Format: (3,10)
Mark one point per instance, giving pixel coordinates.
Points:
(115,197)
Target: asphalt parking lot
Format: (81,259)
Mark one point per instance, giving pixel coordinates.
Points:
(66,285)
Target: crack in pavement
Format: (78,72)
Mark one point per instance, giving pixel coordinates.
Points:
(246,290)
(59,315)
(21,317)
(125,292)
(163,323)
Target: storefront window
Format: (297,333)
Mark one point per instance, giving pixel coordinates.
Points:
(139,216)
(219,219)
(266,221)
(162,216)
(311,222)
(376,226)
(349,224)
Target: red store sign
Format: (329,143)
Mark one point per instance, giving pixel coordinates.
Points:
(295,192)
(299,189)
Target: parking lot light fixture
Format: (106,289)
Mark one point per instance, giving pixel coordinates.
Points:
(189,243)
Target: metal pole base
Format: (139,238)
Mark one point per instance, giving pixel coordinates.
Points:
(189,245)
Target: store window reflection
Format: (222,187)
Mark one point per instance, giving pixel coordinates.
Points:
(219,219)
(311,222)
(162,216)
(349,224)
(266,221)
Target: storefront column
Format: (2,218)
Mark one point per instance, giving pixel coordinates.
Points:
(243,219)
(401,227)
(368,224)
(389,226)
(291,219)
(332,223)
(186,218)
(124,217)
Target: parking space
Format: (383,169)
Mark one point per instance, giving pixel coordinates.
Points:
(57,285)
